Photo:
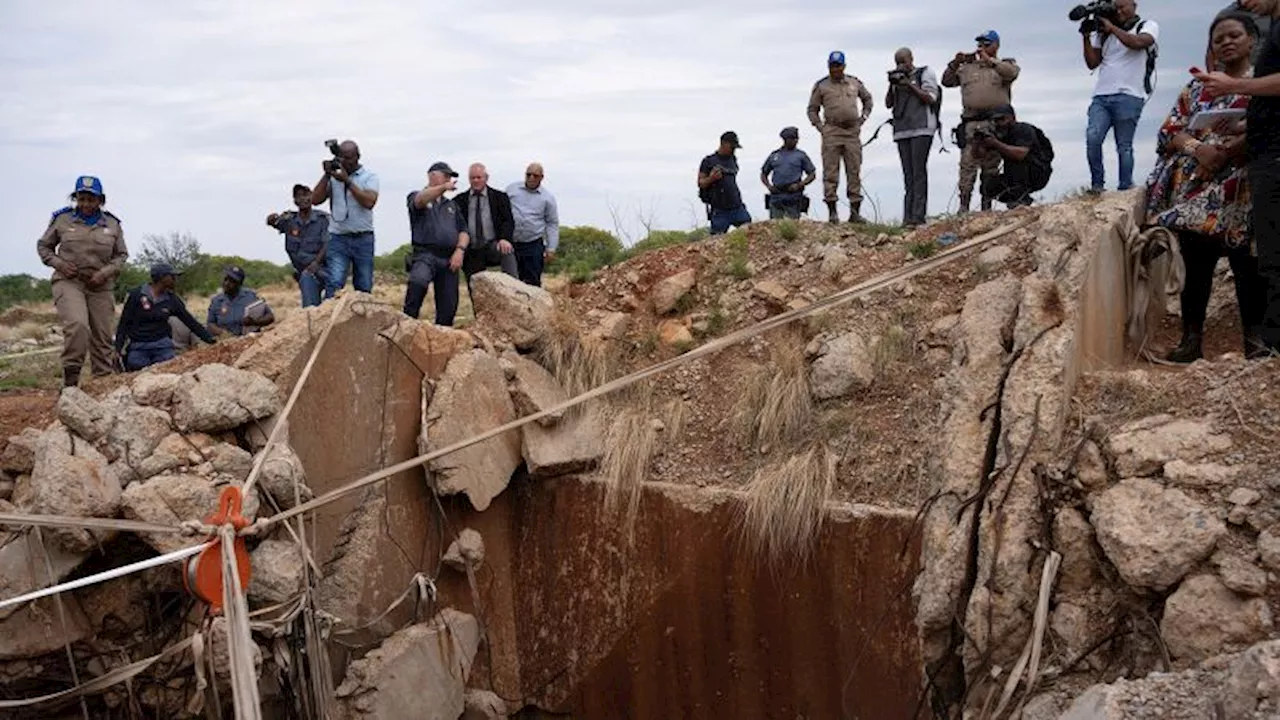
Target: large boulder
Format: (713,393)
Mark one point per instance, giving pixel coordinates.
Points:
(23,569)
(173,452)
(172,500)
(1154,535)
(137,432)
(70,477)
(470,399)
(534,389)
(573,446)
(465,551)
(277,572)
(1204,618)
(83,414)
(155,389)
(1142,448)
(483,705)
(522,312)
(843,366)
(420,673)
(19,454)
(668,292)
(1252,688)
(283,476)
(216,398)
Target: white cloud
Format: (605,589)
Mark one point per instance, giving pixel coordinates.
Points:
(199,116)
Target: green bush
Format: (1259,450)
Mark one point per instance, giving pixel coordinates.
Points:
(659,239)
(583,250)
(203,276)
(19,289)
(393,262)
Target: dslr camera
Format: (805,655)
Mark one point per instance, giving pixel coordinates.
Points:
(1090,14)
(982,134)
(898,76)
(332,166)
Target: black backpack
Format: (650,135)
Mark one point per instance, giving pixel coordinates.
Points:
(1043,149)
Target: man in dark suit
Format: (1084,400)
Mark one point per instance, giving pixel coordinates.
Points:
(487,212)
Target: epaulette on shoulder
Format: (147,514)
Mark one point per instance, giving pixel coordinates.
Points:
(59,213)
(1009,59)
(111,215)
(819,80)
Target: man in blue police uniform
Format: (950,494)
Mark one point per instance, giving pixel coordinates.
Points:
(306,237)
(718,186)
(237,310)
(792,171)
(144,335)
(439,237)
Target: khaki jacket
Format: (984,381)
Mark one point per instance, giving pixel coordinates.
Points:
(89,247)
(842,104)
(984,84)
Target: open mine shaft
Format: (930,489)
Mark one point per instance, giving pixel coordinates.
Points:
(750,477)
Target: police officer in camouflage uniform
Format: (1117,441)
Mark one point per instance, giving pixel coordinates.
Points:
(985,83)
(786,172)
(85,247)
(844,103)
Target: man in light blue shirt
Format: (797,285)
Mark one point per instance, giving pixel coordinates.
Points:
(352,191)
(537,219)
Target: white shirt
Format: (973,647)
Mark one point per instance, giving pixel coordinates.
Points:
(1123,70)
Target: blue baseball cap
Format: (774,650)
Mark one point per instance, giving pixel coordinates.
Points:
(160,270)
(990,36)
(89,184)
(835,58)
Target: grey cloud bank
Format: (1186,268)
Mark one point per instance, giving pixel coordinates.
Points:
(199,116)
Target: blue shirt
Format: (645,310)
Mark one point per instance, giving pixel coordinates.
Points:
(536,215)
(304,239)
(437,226)
(228,312)
(788,166)
(349,216)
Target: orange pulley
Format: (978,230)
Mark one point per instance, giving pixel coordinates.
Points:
(202,573)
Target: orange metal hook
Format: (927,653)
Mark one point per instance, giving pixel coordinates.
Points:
(202,574)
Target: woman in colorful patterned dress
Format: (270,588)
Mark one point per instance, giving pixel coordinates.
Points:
(1200,190)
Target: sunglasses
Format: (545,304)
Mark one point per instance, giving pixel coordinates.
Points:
(984,43)
(533,174)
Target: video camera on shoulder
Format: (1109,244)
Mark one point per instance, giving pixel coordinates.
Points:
(898,76)
(332,166)
(1092,12)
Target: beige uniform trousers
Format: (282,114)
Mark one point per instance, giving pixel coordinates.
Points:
(972,160)
(841,144)
(87,316)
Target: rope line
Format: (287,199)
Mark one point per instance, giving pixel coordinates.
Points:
(86,523)
(106,575)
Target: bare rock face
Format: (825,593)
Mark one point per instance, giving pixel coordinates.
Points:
(843,366)
(277,572)
(1142,448)
(216,398)
(470,399)
(174,499)
(19,455)
(1252,688)
(420,673)
(468,549)
(1203,618)
(1154,535)
(83,414)
(155,389)
(668,292)
(772,292)
(70,477)
(522,312)
(573,446)
(534,389)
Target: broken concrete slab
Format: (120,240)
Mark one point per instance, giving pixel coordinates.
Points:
(215,398)
(574,446)
(533,389)
(521,312)
(420,673)
(470,399)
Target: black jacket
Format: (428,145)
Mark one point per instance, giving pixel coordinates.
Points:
(146,319)
(504,223)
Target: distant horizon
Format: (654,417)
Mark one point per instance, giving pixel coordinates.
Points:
(203,117)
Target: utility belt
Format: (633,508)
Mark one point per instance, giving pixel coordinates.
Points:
(435,251)
(788,200)
(959,133)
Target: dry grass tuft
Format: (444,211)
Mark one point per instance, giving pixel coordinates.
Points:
(636,435)
(896,344)
(785,507)
(580,364)
(25,330)
(775,405)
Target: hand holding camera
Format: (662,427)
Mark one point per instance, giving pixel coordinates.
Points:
(899,76)
(334,167)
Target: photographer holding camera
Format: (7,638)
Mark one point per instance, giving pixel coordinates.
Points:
(1122,47)
(1026,153)
(352,191)
(915,98)
(985,82)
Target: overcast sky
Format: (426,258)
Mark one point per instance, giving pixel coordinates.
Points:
(200,115)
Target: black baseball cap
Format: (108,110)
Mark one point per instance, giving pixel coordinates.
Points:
(235,273)
(790,132)
(162,269)
(444,168)
(731,137)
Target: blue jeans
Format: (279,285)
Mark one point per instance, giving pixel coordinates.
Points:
(350,252)
(312,286)
(1121,113)
(145,354)
(722,220)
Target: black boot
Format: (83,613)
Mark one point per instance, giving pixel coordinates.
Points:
(70,377)
(986,203)
(855,213)
(1189,350)
(833,217)
(1254,347)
